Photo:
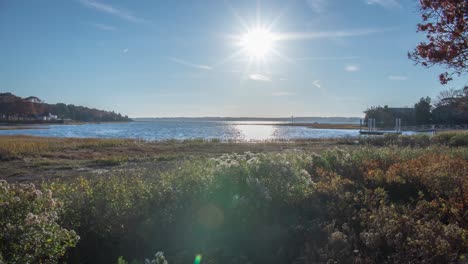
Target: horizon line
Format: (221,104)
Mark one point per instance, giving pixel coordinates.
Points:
(258,117)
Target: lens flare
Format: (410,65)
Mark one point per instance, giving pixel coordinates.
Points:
(197,259)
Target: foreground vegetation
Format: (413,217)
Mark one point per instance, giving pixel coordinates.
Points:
(384,200)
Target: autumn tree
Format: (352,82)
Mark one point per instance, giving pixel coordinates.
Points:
(14,107)
(445,24)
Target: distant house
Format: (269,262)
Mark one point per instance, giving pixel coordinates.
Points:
(48,117)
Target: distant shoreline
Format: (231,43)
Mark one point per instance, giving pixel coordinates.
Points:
(305,119)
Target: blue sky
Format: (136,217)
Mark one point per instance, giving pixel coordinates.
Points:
(182,58)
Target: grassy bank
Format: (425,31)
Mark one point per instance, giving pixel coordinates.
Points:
(16,127)
(371,201)
(26,158)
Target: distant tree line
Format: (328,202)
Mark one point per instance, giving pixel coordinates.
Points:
(449,108)
(13,107)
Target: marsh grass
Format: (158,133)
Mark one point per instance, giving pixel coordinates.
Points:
(110,161)
(14,146)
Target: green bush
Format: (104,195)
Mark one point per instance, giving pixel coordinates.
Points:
(371,205)
(107,213)
(454,139)
(443,138)
(459,140)
(29,232)
(417,140)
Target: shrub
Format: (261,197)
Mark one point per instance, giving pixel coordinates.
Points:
(371,205)
(29,232)
(443,138)
(459,140)
(157,259)
(107,213)
(453,139)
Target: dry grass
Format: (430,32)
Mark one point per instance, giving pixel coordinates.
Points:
(14,146)
(28,158)
(21,127)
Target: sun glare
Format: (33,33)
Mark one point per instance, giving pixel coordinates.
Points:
(258,42)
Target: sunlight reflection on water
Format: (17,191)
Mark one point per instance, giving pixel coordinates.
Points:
(256,132)
(164,130)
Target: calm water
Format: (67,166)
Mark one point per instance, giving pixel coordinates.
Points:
(161,130)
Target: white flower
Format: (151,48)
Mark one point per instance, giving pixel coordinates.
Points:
(3,183)
(31,219)
(38,193)
(305,173)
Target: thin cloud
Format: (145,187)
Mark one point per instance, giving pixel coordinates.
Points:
(283,79)
(101,26)
(317,84)
(282,94)
(397,78)
(352,68)
(125,50)
(318,6)
(106,8)
(170,94)
(384,3)
(189,64)
(259,77)
(327,58)
(332,34)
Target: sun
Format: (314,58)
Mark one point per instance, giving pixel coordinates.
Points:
(258,42)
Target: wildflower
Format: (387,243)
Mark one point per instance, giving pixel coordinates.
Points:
(48,193)
(52,203)
(305,173)
(337,237)
(38,193)
(31,219)
(347,156)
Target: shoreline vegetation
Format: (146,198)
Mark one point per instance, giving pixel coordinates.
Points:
(45,124)
(382,199)
(18,127)
(32,110)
